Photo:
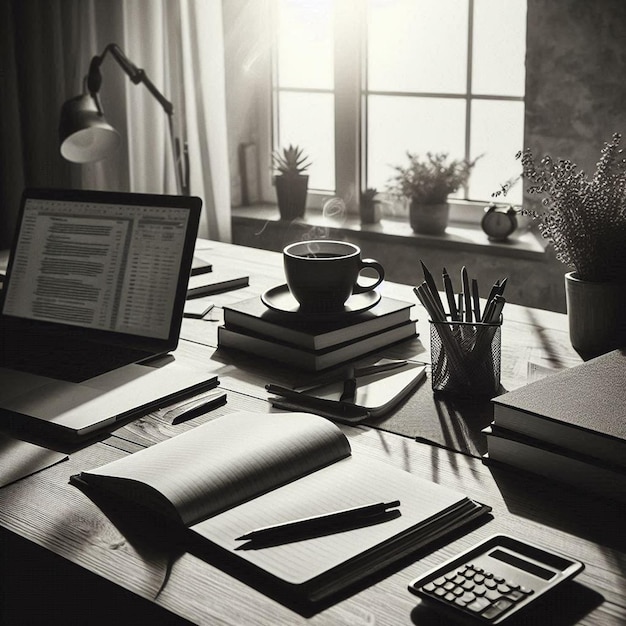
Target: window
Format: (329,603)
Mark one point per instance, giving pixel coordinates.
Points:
(357,83)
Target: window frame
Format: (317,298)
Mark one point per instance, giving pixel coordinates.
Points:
(351,93)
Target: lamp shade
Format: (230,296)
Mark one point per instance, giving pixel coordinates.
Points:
(84,133)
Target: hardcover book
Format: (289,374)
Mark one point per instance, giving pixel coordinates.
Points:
(215,281)
(580,409)
(311,360)
(243,471)
(253,316)
(556,463)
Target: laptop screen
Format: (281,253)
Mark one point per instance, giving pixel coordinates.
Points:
(108,262)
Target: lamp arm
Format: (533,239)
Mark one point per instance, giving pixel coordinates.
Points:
(136,75)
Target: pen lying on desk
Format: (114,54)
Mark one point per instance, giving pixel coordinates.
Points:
(329,521)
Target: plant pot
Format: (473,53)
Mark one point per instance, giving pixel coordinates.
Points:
(429,219)
(370,213)
(596,315)
(291,192)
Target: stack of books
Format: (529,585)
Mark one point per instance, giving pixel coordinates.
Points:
(313,344)
(568,426)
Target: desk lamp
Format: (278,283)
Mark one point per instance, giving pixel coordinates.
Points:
(86,136)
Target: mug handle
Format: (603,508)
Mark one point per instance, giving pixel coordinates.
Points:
(375,265)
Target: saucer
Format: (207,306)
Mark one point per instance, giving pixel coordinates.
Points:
(280,299)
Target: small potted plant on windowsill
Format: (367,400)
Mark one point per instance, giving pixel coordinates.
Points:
(291,182)
(369,206)
(426,183)
(585,221)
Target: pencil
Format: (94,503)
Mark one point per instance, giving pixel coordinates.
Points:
(430,281)
(476,299)
(466,294)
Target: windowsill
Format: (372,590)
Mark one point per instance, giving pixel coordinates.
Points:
(459,236)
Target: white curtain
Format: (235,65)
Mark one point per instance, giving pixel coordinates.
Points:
(179,44)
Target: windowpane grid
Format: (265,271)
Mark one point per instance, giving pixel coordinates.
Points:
(424,90)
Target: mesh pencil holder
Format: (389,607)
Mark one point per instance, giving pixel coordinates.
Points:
(466,358)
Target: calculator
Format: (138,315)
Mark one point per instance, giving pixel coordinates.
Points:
(495,579)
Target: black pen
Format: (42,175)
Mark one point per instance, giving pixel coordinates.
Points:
(447,285)
(197,406)
(327,521)
(476,300)
(432,287)
(467,296)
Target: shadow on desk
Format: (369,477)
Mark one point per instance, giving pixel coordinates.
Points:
(565,606)
(39,587)
(562,507)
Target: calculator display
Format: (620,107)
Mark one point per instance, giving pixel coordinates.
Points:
(522,564)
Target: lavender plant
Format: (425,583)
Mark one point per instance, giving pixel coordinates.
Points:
(584,219)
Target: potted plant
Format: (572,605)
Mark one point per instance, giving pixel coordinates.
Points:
(585,220)
(369,206)
(291,182)
(426,183)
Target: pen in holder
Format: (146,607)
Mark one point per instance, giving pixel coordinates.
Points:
(466,357)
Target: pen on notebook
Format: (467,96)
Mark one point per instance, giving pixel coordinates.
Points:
(320,522)
(447,285)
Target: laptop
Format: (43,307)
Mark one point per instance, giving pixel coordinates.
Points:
(94,292)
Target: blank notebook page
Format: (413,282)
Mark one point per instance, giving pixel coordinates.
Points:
(348,483)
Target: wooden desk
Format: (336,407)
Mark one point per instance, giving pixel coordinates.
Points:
(54,538)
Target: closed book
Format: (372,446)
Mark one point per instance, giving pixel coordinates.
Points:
(244,471)
(311,360)
(200,266)
(580,409)
(554,462)
(217,280)
(314,334)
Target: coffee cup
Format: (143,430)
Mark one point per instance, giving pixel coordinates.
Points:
(323,274)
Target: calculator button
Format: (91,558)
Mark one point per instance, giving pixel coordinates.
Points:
(440,591)
(468,585)
(492,594)
(478,605)
(504,588)
(459,579)
(429,587)
(449,586)
(497,608)
(449,597)
(525,591)
(440,581)
(498,579)
(479,590)
(467,597)
(458,591)
(479,578)
(515,595)
(490,584)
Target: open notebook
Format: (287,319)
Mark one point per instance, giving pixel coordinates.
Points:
(245,470)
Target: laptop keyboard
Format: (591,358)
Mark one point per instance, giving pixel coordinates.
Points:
(74,363)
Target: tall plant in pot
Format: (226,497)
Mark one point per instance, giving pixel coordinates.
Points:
(585,220)
(426,182)
(291,182)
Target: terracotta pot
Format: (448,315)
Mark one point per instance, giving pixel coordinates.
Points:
(429,219)
(291,192)
(596,315)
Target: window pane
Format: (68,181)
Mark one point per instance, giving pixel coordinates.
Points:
(417,45)
(420,125)
(305,43)
(307,119)
(499,47)
(497,133)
